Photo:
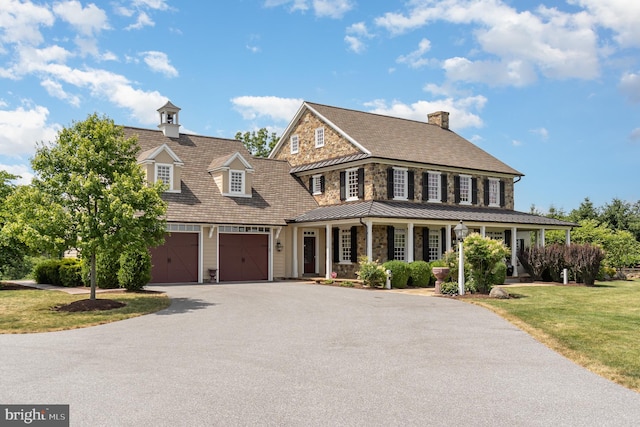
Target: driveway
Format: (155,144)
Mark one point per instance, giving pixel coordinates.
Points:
(298,354)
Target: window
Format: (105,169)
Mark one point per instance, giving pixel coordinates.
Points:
(293,141)
(236,182)
(319,137)
(399,244)
(494,192)
(465,190)
(434,245)
(164,173)
(317,186)
(400,183)
(345,245)
(434,180)
(352,184)
(495,235)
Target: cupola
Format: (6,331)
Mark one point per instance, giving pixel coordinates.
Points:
(169,123)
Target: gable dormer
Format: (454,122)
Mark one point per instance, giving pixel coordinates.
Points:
(169,124)
(232,174)
(162,164)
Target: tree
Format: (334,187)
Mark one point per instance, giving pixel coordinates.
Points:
(91,174)
(12,250)
(258,143)
(586,210)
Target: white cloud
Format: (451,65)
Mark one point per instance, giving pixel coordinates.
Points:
(416,58)
(516,143)
(514,73)
(23,171)
(20,22)
(159,63)
(630,86)
(152,4)
(619,16)
(55,89)
(21,128)
(355,33)
(279,109)
(143,20)
(322,8)
(460,110)
(88,21)
(355,44)
(542,132)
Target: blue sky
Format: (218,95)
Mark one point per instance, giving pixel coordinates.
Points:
(552,88)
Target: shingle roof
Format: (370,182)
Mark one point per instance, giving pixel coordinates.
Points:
(277,195)
(401,139)
(424,211)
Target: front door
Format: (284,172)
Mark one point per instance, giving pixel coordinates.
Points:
(309,255)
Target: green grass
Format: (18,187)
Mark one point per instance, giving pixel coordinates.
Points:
(597,327)
(26,311)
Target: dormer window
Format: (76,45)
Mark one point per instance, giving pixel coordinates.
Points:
(161,164)
(232,175)
(236,182)
(164,173)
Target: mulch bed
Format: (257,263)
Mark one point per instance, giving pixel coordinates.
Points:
(90,305)
(16,287)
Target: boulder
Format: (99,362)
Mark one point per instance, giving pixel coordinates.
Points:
(498,292)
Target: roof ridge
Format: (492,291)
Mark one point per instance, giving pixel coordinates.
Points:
(372,114)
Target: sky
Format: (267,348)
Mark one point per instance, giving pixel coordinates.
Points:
(552,88)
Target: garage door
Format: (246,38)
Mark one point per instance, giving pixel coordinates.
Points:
(176,261)
(244,257)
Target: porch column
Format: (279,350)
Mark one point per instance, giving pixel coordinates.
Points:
(568,236)
(294,248)
(369,240)
(483,231)
(448,242)
(542,238)
(328,257)
(514,250)
(410,244)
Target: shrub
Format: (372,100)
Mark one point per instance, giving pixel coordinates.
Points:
(47,272)
(452,288)
(555,261)
(400,273)
(420,274)
(585,261)
(70,271)
(498,274)
(371,273)
(482,254)
(533,261)
(135,269)
(107,266)
(450,259)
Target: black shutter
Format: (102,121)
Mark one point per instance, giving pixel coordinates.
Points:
(343,190)
(322,184)
(507,238)
(425,186)
(456,186)
(336,245)
(311,184)
(486,192)
(361,183)
(425,244)
(390,242)
(390,183)
(474,191)
(503,202)
(443,187)
(443,240)
(410,185)
(354,244)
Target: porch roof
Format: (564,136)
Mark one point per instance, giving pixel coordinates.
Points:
(424,211)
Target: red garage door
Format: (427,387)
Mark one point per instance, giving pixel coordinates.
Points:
(176,260)
(244,257)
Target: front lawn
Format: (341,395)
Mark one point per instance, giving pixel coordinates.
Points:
(26,311)
(597,327)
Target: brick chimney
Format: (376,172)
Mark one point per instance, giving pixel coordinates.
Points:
(439,118)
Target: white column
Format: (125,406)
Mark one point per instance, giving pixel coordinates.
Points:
(410,244)
(328,257)
(448,242)
(483,231)
(542,238)
(294,256)
(369,240)
(514,250)
(568,237)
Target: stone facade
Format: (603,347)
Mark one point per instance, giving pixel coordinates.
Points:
(334,144)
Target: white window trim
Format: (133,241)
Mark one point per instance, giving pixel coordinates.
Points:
(316,185)
(345,232)
(349,197)
(497,183)
(170,166)
(396,232)
(436,234)
(242,193)
(438,198)
(405,189)
(294,148)
(469,196)
(319,141)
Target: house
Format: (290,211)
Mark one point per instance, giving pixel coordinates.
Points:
(339,184)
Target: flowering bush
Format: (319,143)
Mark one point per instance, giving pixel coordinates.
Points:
(483,254)
(371,273)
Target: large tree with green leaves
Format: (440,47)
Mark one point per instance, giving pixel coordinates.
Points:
(12,250)
(258,143)
(90,174)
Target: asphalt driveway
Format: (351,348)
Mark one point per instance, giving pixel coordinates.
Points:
(299,354)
